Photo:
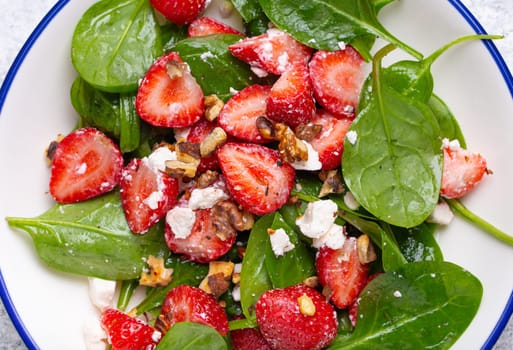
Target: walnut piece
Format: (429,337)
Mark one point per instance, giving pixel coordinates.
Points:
(213,105)
(306,305)
(366,251)
(227,216)
(213,140)
(332,183)
(158,274)
(175,69)
(291,148)
(218,278)
(308,131)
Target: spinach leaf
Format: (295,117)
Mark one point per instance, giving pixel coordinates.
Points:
(421,305)
(188,335)
(419,243)
(295,265)
(254,278)
(394,167)
(249,10)
(324,24)
(92,238)
(129,124)
(449,126)
(210,54)
(114,43)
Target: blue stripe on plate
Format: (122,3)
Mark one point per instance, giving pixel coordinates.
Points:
(4,294)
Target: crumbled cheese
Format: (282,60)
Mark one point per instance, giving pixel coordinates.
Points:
(350,201)
(181,133)
(397,294)
(283,62)
(156,336)
(280,242)
(236,292)
(101,292)
(318,218)
(95,337)
(181,220)
(341,45)
(334,238)
(233,91)
(237,268)
(157,159)
(206,55)
(453,145)
(312,163)
(442,214)
(205,198)
(259,72)
(152,201)
(352,136)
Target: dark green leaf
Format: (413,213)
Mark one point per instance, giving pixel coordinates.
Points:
(325,24)
(209,54)
(92,238)
(418,243)
(129,124)
(187,335)
(114,43)
(449,126)
(423,305)
(248,9)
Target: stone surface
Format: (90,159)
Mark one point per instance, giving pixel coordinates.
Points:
(18,19)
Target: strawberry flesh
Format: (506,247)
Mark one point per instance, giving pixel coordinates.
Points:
(85,164)
(179,11)
(202,26)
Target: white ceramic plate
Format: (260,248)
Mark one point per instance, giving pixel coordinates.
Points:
(48,307)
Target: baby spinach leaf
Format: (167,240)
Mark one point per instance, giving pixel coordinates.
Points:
(249,10)
(254,278)
(188,335)
(394,167)
(114,43)
(422,305)
(129,124)
(210,54)
(324,24)
(449,126)
(295,265)
(92,238)
(419,243)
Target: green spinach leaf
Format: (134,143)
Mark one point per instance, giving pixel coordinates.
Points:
(422,305)
(92,238)
(419,243)
(449,126)
(188,335)
(114,43)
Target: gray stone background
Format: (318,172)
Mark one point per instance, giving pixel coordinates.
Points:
(18,18)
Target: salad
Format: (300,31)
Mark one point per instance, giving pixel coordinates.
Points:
(236,194)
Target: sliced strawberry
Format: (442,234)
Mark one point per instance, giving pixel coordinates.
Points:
(168,94)
(146,194)
(337,78)
(274,51)
(239,114)
(128,333)
(85,164)
(462,171)
(291,98)
(179,11)
(255,176)
(295,318)
(353,309)
(202,26)
(329,143)
(248,338)
(190,304)
(197,134)
(341,273)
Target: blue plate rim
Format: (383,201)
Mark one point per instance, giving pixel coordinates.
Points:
(11,74)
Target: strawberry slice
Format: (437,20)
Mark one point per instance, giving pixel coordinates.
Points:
(179,11)
(255,176)
(462,171)
(296,317)
(190,304)
(248,338)
(273,51)
(202,26)
(197,133)
(128,333)
(341,272)
(329,143)
(146,194)
(168,94)
(337,78)
(291,97)
(239,114)
(85,164)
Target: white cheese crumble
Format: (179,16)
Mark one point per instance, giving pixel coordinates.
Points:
(236,292)
(101,292)
(352,137)
(453,145)
(204,198)
(280,242)
(317,218)
(341,45)
(95,337)
(312,163)
(259,72)
(350,201)
(181,220)
(157,159)
(181,133)
(334,238)
(442,214)
(397,294)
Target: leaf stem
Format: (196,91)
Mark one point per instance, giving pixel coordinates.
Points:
(460,209)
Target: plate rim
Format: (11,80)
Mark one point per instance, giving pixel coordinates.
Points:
(60,4)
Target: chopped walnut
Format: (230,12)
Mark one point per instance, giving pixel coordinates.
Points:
(218,278)
(175,69)
(213,140)
(176,168)
(291,148)
(307,132)
(366,252)
(312,281)
(332,183)
(158,274)
(52,147)
(187,151)
(227,216)
(213,105)
(206,179)
(266,128)
(306,305)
